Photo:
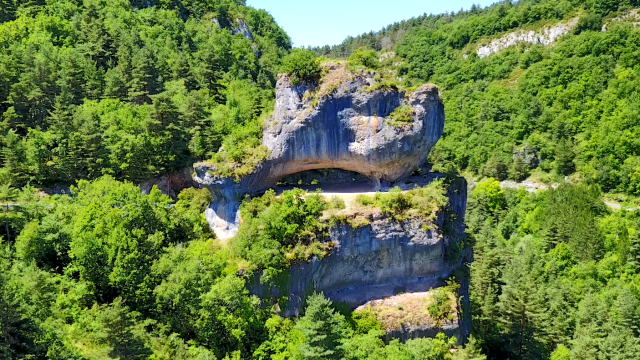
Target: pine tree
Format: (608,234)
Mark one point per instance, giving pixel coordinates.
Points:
(485,280)
(633,257)
(564,157)
(324,330)
(7,10)
(522,306)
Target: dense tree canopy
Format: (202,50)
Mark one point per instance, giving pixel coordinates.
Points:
(129,89)
(554,275)
(93,92)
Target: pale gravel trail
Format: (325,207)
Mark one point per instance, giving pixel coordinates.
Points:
(534,187)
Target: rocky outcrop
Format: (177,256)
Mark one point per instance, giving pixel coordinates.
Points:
(171,184)
(632,16)
(546,36)
(343,126)
(240,27)
(380,259)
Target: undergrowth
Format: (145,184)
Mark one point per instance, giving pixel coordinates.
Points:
(402,116)
(422,202)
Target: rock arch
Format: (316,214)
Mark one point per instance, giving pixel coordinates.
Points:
(347,127)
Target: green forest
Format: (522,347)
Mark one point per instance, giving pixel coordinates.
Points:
(101,95)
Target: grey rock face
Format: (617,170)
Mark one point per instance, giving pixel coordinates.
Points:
(241,27)
(546,36)
(350,130)
(380,259)
(347,128)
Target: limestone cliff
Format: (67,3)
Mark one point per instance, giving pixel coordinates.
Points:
(343,123)
(545,36)
(382,259)
(347,122)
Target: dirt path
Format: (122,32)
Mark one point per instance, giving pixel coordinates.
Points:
(535,187)
(350,190)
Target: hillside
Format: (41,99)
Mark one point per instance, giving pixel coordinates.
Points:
(520,103)
(544,91)
(100,100)
(113,87)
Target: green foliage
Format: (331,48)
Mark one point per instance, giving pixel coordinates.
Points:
(279,230)
(399,204)
(490,193)
(131,89)
(395,202)
(364,200)
(303,66)
(545,261)
(364,58)
(440,306)
(401,116)
(529,109)
(561,353)
(241,152)
(336,202)
(590,21)
(323,329)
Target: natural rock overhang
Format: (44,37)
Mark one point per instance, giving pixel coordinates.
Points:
(347,129)
(346,125)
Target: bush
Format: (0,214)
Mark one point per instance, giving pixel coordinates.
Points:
(394,202)
(588,22)
(303,66)
(440,306)
(277,230)
(364,200)
(364,57)
(241,152)
(336,203)
(403,115)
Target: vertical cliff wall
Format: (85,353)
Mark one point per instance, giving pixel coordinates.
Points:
(382,259)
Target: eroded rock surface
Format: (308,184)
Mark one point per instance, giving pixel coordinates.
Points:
(343,126)
(546,36)
(383,259)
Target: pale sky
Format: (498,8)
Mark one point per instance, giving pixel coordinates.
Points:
(329,22)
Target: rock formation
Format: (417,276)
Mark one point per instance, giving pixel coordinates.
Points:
(348,123)
(546,36)
(345,125)
(382,259)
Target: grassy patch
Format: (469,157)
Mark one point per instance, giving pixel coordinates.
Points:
(420,202)
(402,116)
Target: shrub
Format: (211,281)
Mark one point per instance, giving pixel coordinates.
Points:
(588,22)
(394,202)
(364,57)
(423,201)
(336,203)
(439,307)
(241,152)
(303,66)
(403,115)
(364,200)
(277,230)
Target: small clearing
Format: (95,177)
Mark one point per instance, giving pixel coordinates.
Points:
(408,310)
